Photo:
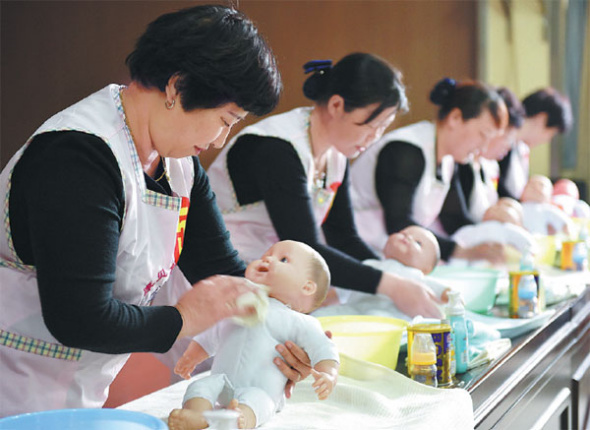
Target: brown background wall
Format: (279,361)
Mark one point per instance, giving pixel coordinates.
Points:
(55,53)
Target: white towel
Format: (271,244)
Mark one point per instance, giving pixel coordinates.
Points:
(367,396)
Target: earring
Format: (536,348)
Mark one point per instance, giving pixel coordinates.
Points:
(170,105)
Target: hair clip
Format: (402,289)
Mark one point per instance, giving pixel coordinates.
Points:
(317,66)
(450,82)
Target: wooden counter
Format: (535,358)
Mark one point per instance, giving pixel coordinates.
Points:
(544,380)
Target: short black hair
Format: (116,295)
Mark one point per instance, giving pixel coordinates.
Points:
(516,112)
(217,54)
(471,98)
(361,79)
(550,101)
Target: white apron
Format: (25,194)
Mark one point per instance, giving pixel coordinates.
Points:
(518,172)
(39,373)
(428,198)
(484,192)
(250,226)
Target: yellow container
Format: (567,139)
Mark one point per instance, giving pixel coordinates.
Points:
(574,255)
(370,338)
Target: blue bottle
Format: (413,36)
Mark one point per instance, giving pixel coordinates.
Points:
(456,315)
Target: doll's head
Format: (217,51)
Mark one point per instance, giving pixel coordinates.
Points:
(538,190)
(414,246)
(566,187)
(505,210)
(296,274)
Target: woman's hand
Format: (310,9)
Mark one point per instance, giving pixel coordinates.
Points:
(210,301)
(296,365)
(490,251)
(410,297)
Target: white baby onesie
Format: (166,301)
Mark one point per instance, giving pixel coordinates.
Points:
(243,367)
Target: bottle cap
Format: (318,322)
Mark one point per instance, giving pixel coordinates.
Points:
(423,349)
(456,305)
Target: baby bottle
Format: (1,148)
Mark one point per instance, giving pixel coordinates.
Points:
(423,368)
(527,297)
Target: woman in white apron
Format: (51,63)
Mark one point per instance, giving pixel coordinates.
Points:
(548,113)
(479,178)
(101,201)
(286,176)
(405,177)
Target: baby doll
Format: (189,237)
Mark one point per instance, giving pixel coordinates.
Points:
(414,246)
(502,223)
(297,279)
(566,196)
(412,253)
(539,215)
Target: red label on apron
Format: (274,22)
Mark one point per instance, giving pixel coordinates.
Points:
(181,226)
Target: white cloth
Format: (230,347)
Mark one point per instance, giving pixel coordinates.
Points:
(518,171)
(397,268)
(250,226)
(537,216)
(430,193)
(494,231)
(255,347)
(149,245)
(572,206)
(367,396)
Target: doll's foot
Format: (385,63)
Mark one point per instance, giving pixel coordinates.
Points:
(234,405)
(185,419)
(247,418)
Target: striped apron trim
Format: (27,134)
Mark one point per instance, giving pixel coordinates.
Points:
(39,347)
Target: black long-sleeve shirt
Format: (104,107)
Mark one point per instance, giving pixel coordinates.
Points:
(66,210)
(400,167)
(268,169)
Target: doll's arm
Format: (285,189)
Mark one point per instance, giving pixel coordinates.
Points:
(194,354)
(325,374)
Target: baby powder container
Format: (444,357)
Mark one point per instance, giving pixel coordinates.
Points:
(222,419)
(527,297)
(453,364)
(423,368)
(456,314)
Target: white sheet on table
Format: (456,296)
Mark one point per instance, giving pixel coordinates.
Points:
(376,398)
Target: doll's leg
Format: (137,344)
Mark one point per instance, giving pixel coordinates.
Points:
(200,396)
(256,406)
(191,415)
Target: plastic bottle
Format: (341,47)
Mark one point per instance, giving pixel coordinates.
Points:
(456,314)
(423,368)
(527,297)
(527,262)
(453,364)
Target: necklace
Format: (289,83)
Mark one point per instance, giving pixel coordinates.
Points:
(165,172)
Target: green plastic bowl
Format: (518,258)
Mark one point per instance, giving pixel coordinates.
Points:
(478,286)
